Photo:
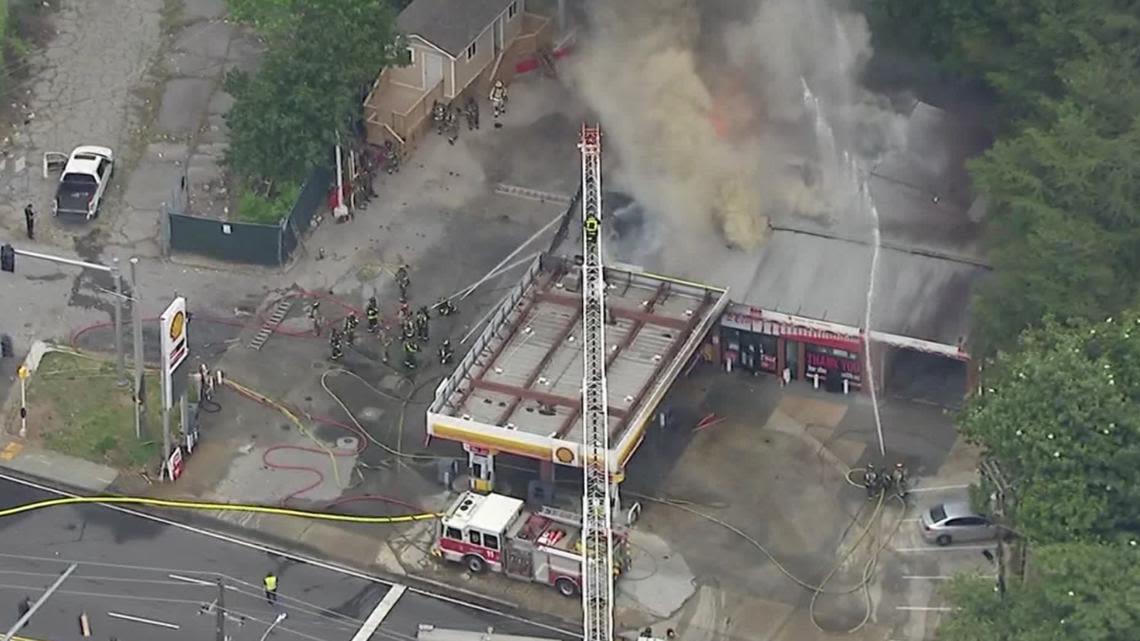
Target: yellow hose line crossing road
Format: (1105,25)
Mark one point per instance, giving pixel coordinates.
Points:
(222,507)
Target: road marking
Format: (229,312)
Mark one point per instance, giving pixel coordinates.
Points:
(300,558)
(912,520)
(948,548)
(937,488)
(179,577)
(10,451)
(944,577)
(379,613)
(923,608)
(131,617)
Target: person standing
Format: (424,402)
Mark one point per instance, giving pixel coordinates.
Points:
(270,588)
(30,221)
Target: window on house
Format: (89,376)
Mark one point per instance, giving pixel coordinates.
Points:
(411,56)
(471,51)
(512,10)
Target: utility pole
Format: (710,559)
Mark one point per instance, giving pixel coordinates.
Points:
(136,321)
(220,612)
(23,620)
(117,279)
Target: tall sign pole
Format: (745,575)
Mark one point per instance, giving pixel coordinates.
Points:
(175,349)
(136,323)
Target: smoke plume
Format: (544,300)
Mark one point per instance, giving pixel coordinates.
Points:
(708,106)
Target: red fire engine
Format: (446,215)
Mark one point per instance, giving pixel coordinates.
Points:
(498,533)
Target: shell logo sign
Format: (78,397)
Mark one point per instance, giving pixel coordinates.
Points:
(175,347)
(564,455)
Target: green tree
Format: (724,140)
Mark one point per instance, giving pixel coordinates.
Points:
(320,60)
(1018,46)
(1060,415)
(1075,591)
(1063,218)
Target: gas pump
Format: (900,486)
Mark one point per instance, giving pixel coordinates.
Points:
(481,467)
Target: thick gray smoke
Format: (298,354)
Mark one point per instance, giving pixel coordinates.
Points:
(705,103)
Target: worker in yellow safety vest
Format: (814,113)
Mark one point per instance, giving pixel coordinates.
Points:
(271,588)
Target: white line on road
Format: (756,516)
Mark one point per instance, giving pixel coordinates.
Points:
(324,565)
(379,613)
(179,577)
(948,548)
(937,488)
(923,608)
(943,577)
(912,520)
(129,617)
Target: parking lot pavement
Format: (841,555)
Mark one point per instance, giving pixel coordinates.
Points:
(913,572)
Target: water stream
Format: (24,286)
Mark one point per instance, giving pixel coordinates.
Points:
(834,163)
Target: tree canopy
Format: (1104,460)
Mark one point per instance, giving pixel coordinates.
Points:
(321,57)
(1078,591)
(1062,179)
(1060,415)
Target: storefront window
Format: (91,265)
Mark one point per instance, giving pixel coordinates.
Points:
(821,359)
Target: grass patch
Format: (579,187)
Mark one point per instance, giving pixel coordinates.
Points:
(252,207)
(76,408)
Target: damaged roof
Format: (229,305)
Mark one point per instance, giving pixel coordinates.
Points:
(451,25)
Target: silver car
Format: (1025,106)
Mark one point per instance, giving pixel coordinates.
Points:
(955,522)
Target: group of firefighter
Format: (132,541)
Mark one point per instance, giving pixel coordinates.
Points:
(878,482)
(446,116)
(414,328)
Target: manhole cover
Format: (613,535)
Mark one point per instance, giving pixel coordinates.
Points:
(347,443)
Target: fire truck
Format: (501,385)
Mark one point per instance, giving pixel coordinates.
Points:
(498,533)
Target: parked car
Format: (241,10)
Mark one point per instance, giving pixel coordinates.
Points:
(955,522)
(84,182)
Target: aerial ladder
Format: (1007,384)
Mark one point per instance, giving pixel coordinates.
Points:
(598,493)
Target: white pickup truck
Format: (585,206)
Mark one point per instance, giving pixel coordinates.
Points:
(84,182)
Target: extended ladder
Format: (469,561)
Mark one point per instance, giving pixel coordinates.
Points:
(597,533)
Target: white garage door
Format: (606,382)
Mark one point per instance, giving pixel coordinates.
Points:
(433,70)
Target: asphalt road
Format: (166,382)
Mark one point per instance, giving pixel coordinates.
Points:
(133,566)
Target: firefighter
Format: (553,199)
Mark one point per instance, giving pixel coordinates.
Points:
(499,99)
(871,480)
(451,121)
(410,349)
(438,115)
(445,352)
(403,282)
(471,110)
(368,159)
(351,322)
(899,480)
(315,317)
(409,329)
(372,314)
(391,158)
(422,320)
(405,312)
(385,342)
(337,349)
(444,307)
